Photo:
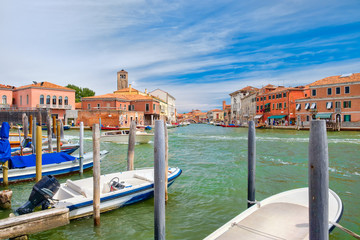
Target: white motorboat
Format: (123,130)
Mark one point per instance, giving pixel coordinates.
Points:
(281,216)
(122,136)
(117,190)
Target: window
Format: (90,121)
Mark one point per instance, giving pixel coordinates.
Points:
(307,106)
(98,106)
(307,118)
(154,107)
(129,108)
(280,105)
(261,107)
(313,106)
(284,94)
(273,96)
(124,106)
(120,106)
(48,99)
(284,105)
(329,91)
(4,99)
(338,90)
(257,108)
(265,98)
(347,118)
(337,104)
(347,104)
(54,100)
(60,100)
(277,106)
(313,92)
(257,99)
(347,90)
(27,99)
(20,100)
(89,107)
(132,107)
(66,101)
(273,106)
(298,106)
(41,99)
(329,105)
(147,107)
(261,99)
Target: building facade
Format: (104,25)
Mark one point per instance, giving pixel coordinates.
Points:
(335,99)
(170,104)
(215,116)
(236,99)
(248,108)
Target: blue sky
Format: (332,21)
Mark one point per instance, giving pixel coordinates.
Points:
(198,51)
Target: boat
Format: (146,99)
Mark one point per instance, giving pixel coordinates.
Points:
(117,190)
(109,128)
(66,127)
(261,125)
(22,168)
(168,125)
(122,136)
(65,148)
(281,216)
(230,125)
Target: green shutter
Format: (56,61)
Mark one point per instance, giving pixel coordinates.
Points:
(349,104)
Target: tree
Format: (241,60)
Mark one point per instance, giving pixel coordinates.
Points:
(81,92)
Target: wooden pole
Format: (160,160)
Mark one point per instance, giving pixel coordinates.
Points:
(38,153)
(159,180)
(33,135)
(318,182)
(54,124)
(62,136)
(131,146)
(251,163)
(5,173)
(49,133)
(81,149)
(30,126)
(25,126)
(58,140)
(166,161)
(21,146)
(96,174)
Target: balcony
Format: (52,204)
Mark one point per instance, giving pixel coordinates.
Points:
(51,106)
(338,110)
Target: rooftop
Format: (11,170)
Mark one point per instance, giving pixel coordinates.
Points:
(345,78)
(45,85)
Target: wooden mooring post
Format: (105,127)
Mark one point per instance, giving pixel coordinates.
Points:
(251,164)
(96,174)
(131,146)
(58,137)
(33,222)
(166,161)
(81,148)
(54,124)
(38,154)
(31,122)
(49,133)
(159,180)
(318,182)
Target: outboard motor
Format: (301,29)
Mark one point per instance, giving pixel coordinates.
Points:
(42,191)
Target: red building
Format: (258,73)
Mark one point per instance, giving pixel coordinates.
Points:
(278,105)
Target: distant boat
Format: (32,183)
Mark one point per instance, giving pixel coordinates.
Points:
(22,168)
(66,127)
(281,216)
(122,136)
(230,125)
(117,190)
(109,128)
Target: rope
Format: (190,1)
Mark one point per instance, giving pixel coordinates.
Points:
(346,230)
(254,202)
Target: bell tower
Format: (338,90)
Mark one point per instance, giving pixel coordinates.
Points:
(122,79)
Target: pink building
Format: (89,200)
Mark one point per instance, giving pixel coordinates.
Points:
(43,95)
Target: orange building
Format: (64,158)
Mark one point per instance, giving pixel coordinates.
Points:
(123,105)
(335,99)
(278,105)
(6,93)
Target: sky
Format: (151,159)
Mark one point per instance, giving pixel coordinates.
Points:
(198,51)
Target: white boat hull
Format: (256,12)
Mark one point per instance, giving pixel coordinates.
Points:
(273,218)
(124,138)
(78,195)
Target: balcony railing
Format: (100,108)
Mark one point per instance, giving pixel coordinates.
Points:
(66,107)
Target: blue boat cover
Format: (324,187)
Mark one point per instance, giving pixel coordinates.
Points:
(5,149)
(47,158)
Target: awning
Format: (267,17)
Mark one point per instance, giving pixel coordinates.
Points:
(307,105)
(298,106)
(329,105)
(258,116)
(313,106)
(323,115)
(277,116)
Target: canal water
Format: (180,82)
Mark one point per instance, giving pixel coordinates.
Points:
(213,186)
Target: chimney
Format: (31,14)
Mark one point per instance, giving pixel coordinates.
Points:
(130,88)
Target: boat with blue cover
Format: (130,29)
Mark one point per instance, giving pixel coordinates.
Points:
(22,168)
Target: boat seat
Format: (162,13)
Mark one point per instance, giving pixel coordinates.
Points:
(145,176)
(78,189)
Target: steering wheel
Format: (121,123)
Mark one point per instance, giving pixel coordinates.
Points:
(115,181)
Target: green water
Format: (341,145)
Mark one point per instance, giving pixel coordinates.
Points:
(213,187)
